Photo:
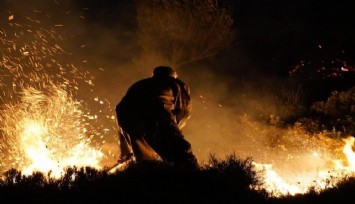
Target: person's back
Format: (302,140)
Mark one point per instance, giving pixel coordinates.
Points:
(149,116)
(148,98)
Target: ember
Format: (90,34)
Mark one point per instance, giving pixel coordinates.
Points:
(328,175)
(44,126)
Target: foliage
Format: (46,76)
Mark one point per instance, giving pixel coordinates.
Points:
(338,111)
(181,31)
(232,166)
(292,96)
(338,103)
(225,181)
(334,116)
(221,180)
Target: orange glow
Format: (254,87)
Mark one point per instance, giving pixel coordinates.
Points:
(318,180)
(47,130)
(44,126)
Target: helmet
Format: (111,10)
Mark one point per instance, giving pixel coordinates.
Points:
(163,71)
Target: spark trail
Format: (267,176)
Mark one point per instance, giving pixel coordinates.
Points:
(44,126)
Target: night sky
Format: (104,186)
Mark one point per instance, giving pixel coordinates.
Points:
(272,34)
(272,37)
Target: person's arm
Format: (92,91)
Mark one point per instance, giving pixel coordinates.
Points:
(183,104)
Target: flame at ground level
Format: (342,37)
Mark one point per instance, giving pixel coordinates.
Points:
(44,160)
(326,177)
(46,131)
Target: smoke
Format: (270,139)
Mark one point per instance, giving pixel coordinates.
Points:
(231,114)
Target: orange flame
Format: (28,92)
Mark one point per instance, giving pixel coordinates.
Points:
(43,127)
(47,131)
(349,153)
(323,178)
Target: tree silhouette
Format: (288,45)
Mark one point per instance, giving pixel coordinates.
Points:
(176,32)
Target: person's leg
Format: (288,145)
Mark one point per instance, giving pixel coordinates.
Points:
(171,145)
(126,151)
(136,133)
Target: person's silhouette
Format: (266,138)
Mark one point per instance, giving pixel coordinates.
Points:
(150,117)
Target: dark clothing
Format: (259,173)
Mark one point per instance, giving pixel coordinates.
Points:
(150,117)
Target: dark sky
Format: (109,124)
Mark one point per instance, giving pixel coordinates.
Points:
(279,33)
(273,36)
